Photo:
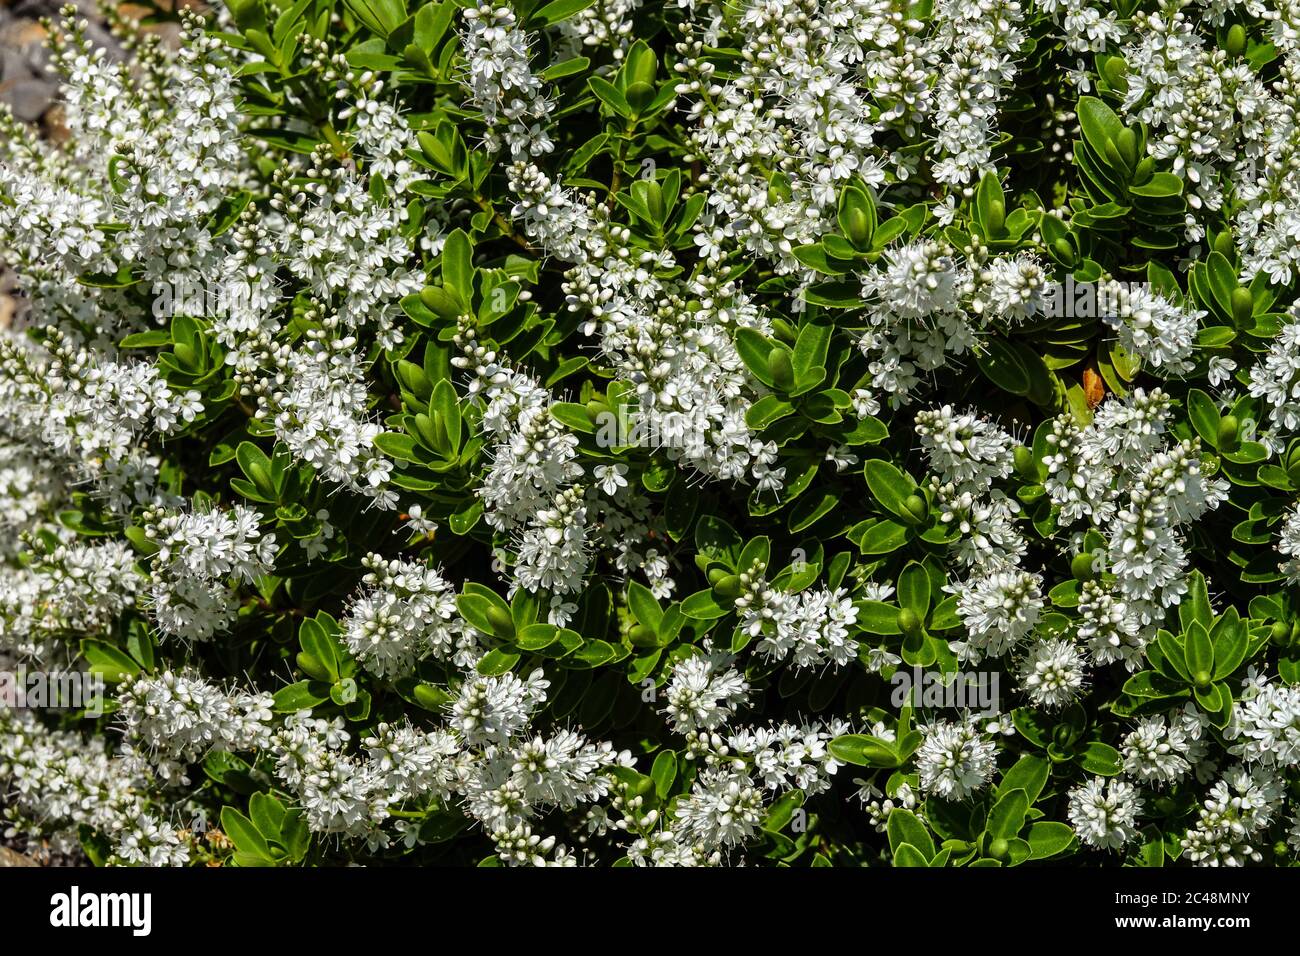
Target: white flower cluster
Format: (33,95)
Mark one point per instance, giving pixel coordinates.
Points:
(1136,489)
(200,554)
(73,588)
(809,628)
(1104,812)
(406,612)
(177,718)
(502,84)
(57,781)
(1276,379)
(1151,327)
(955,759)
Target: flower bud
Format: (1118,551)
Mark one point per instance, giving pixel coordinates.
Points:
(727,588)
(503,626)
(642,636)
(1235,42)
(1228,428)
(1243,305)
(1082,566)
(780,368)
(909,622)
(1026,467)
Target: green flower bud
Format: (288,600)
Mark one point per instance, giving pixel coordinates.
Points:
(999,849)
(1280,633)
(1228,428)
(503,626)
(1026,467)
(727,588)
(1243,305)
(1203,679)
(1235,43)
(780,368)
(716,575)
(916,506)
(909,622)
(1081,566)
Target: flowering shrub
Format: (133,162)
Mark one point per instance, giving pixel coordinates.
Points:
(827,432)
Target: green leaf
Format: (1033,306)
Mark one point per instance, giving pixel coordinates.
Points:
(497,662)
(889,485)
(876,617)
(267,814)
(1008,814)
(1196,605)
(1003,366)
(905,827)
(1199,652)
(883,537)
(644,605)
(863,750)
(1098,122)
(1029,774)
(610,95)
(558,10)
(906,855)
(458,265)
(1204,416)
(1231,641)
(380,16)
(304,695)
(1101,759)
(664,773)
(246,837)
(914,589)
(109,662)
(1048,838)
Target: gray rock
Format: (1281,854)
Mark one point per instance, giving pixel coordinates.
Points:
(29,99)
(14,66)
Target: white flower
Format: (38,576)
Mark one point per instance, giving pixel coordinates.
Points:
(704,692)
(610,478)
(998,609)
(955,759)
(1053,673)
(1104,812)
